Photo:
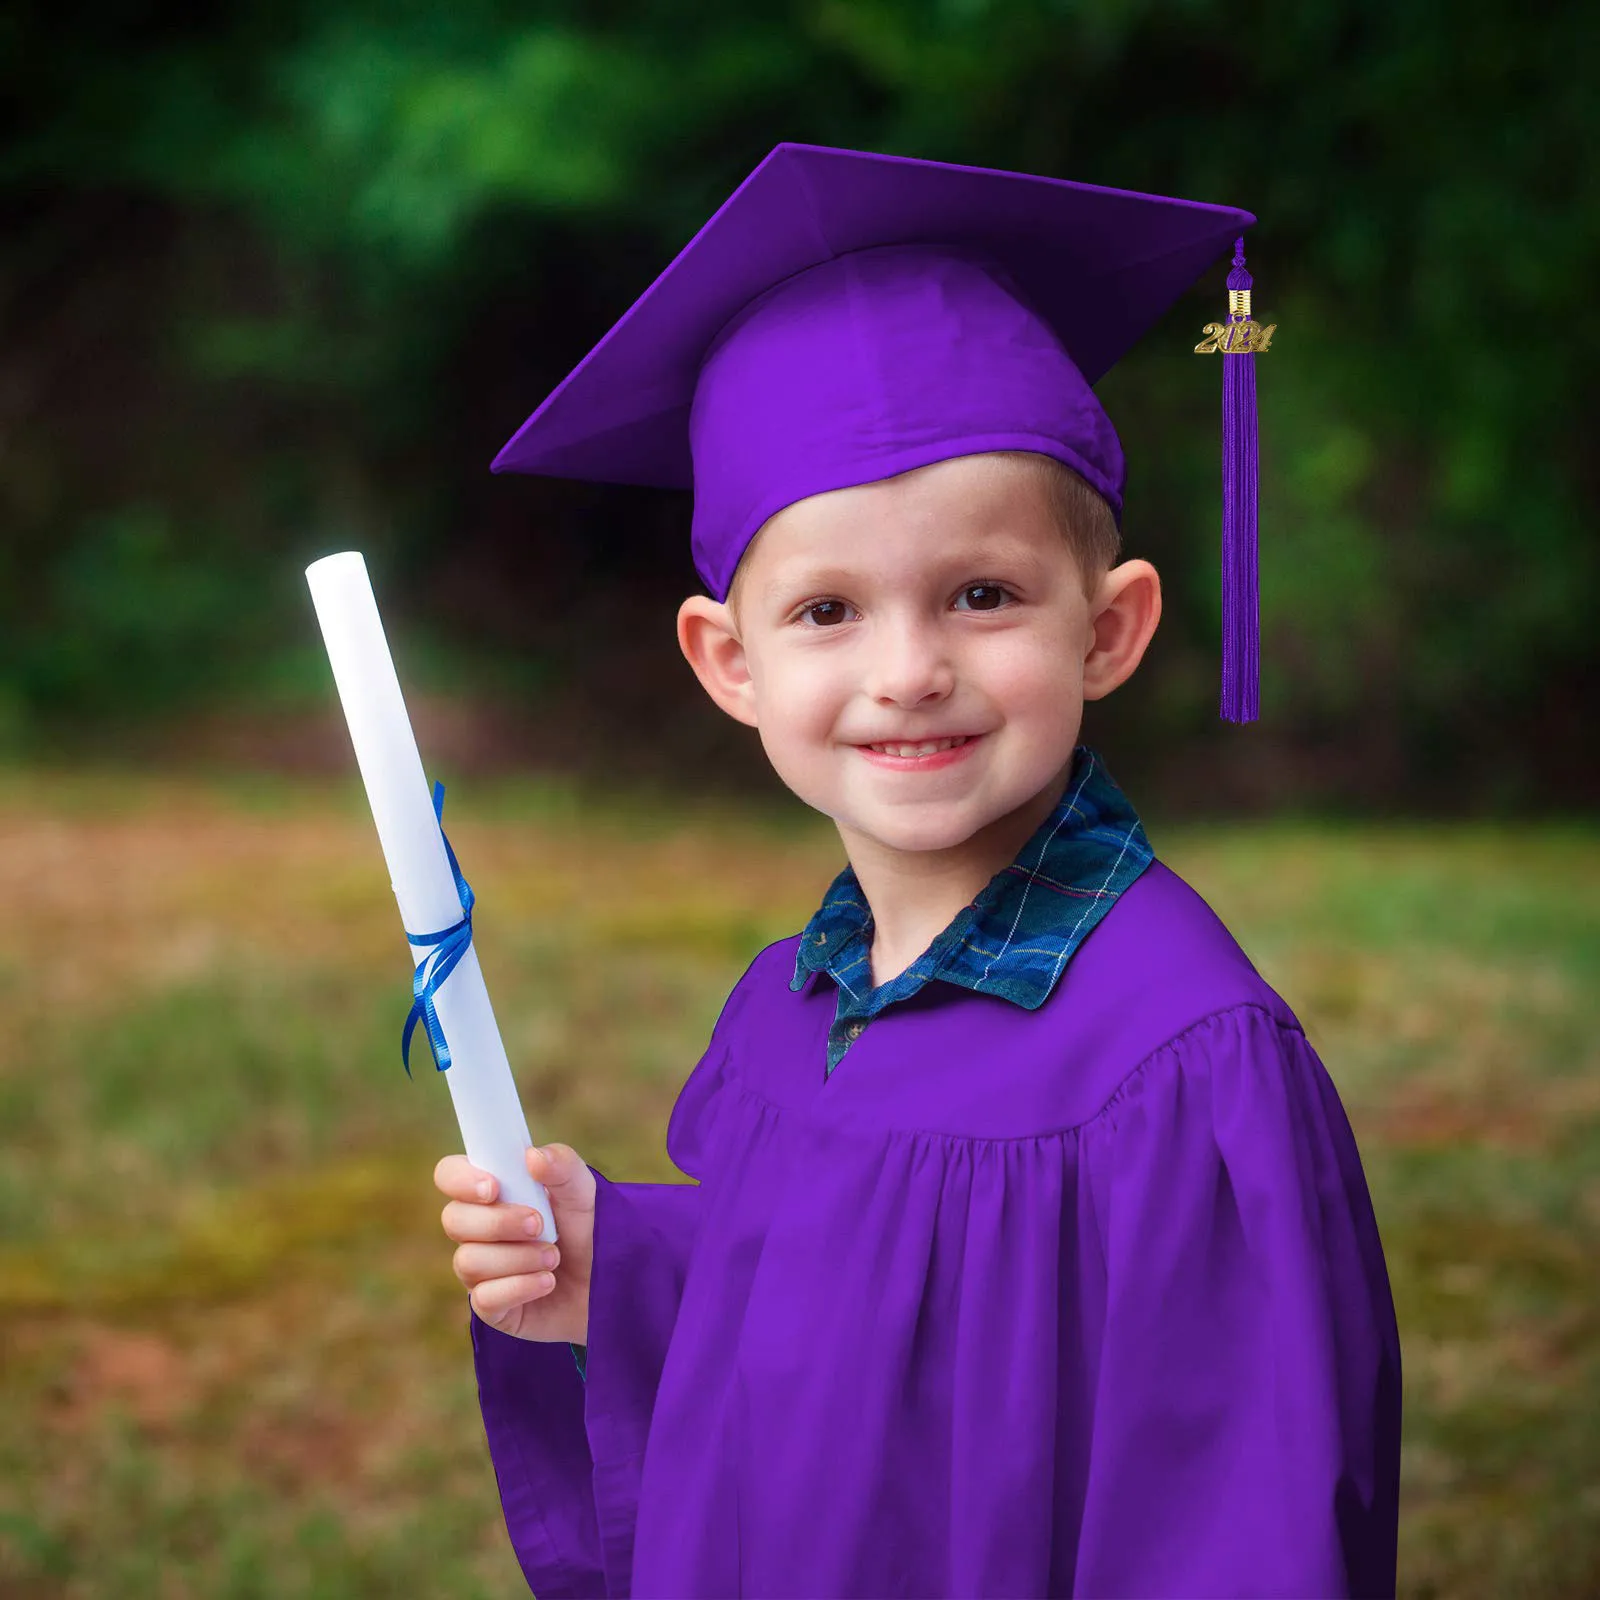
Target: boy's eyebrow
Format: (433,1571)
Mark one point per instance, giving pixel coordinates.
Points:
(1009,552)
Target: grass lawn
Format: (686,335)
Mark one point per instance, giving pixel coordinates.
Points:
(235,1358)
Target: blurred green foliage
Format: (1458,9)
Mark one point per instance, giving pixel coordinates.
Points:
(280,279)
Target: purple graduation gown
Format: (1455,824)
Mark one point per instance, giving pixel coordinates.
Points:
(1083,1300)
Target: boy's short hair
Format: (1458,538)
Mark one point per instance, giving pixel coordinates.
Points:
(1082,517)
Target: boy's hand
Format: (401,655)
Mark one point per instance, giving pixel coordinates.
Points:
(519,1284)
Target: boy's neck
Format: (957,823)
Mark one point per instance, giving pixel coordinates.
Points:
(914,896)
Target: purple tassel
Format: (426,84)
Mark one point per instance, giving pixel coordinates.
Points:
(1241,623)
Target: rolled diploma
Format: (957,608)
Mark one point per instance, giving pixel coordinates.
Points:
(493,1126)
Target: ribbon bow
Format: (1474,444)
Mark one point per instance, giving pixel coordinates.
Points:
(439,963)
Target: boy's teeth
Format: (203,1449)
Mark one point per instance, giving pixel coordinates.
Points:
(917,749)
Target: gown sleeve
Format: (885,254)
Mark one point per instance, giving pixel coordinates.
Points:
(1246,1409)
(567,1442)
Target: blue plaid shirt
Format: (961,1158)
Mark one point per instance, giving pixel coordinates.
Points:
(1014,940)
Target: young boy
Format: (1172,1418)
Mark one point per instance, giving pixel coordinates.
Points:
(1029,1251)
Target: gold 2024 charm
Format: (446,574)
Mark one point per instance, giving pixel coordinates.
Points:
(1236,338)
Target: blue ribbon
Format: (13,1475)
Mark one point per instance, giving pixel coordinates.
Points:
(439,963)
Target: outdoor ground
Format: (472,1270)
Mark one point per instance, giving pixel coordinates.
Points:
(235,1358)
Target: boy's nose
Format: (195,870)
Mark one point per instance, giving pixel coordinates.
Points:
(909,664)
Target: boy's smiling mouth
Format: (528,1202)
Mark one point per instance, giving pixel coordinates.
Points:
(920,753)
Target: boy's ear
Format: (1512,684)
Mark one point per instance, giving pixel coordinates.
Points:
(1123,617)
(711,645)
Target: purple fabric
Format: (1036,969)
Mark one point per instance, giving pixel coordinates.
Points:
(890,359)
(1085,1300)
(794,346)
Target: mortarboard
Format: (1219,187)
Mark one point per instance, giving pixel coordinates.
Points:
(846,316)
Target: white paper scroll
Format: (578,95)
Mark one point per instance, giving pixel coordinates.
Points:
(493,1126)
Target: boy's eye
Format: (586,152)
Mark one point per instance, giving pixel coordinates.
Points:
(986,588)
(837,606)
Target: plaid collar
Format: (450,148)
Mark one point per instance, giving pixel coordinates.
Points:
(1016,937)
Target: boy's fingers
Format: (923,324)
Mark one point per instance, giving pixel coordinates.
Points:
(456,1177)
(551,1163)
(499,1295)
(477,1224)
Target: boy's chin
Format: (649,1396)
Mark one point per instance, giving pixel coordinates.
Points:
(909,836)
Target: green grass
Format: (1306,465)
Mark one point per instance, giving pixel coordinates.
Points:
(235,1357)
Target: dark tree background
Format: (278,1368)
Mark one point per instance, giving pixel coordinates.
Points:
(279,279)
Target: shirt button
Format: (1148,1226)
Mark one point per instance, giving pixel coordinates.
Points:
(854,1030)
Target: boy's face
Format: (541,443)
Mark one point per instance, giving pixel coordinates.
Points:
(943,601)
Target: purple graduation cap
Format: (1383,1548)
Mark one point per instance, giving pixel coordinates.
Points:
(846,316)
